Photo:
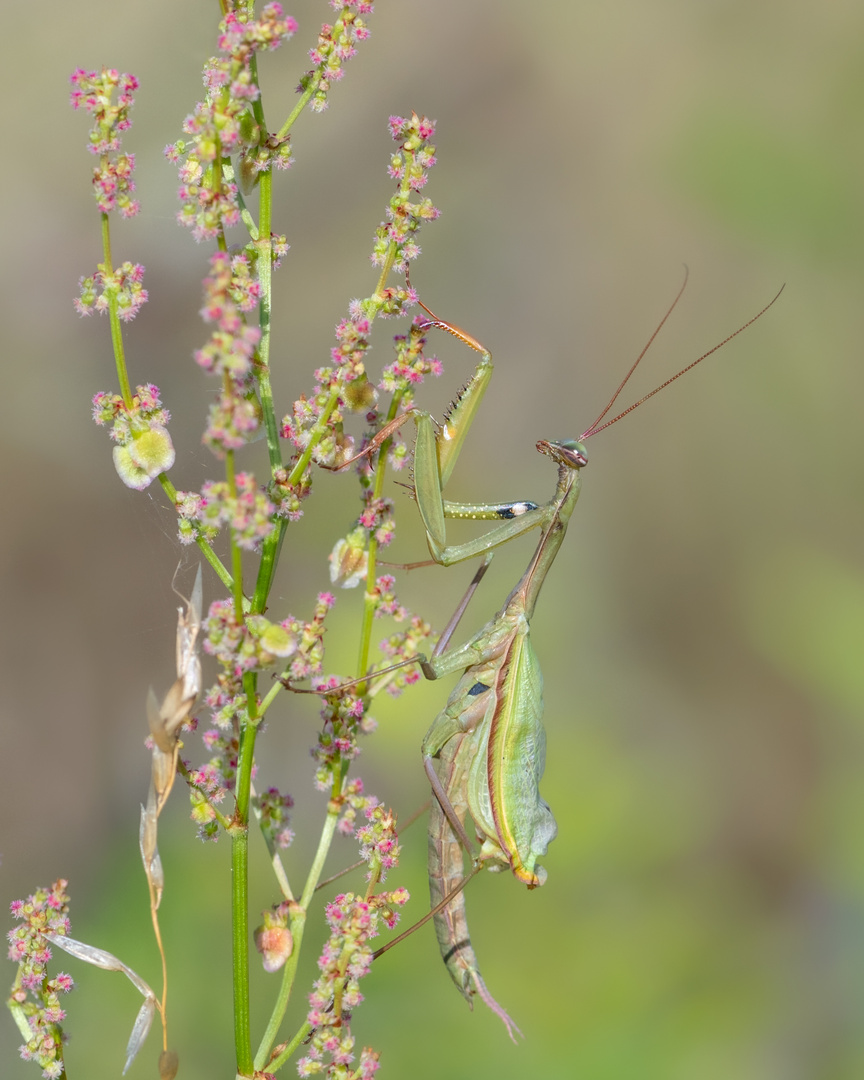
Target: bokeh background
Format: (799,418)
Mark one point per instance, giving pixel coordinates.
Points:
(702,631)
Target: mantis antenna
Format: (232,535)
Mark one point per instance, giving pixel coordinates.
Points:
(597,426)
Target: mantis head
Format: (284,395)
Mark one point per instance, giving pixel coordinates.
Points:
(570,452)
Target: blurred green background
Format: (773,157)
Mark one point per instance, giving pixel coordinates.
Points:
(702,632)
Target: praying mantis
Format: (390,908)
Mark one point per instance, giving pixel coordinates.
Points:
(484,754)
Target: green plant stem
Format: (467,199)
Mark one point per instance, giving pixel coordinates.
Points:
(240,878)
(270,551)
(306,96)
(239,830)
(385,270)
(258,103)
(205,549)
(298,922)
(273,544)
(369,597)
(275,857)
(269,697)
(277,1062)
(380,469)
(289,974)
(327,833)
(236,554)
(316,434)
(302,102)
(114,319)
(264,245)
(240,940)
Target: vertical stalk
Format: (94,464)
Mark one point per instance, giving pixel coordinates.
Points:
(264,244)
(114,318)
(240,878)
(236,554)
(240,828)
(298,925)
(369,598)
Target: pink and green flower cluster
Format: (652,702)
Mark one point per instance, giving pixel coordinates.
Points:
(246,509)
(210,783)
(410,165)
(112,178)
(336,44)
(347,956)
(402,647)
(248,643)
(35,998)
(253,642)
(224,122)
(144,448)
(344,719)
(124,286)
(231,291)
(379,846)
(273,809)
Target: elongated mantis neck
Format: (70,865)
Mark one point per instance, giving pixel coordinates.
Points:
(561,507)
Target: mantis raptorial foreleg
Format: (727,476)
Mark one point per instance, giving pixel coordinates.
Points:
(436,450)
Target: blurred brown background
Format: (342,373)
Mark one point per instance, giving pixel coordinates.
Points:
(702,632)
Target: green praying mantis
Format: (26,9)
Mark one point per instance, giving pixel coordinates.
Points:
(484,754)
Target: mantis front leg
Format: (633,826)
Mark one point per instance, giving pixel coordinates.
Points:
(436,450)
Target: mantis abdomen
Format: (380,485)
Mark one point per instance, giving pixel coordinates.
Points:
(446,873)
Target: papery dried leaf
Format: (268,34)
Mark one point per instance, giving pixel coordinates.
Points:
(177,705)
(164,764)
(99,958)
(162,773)
(147,831)
(157,876)
(165,720)
(188,626)
(155,723)
(149,852)
(88,953)
(140,1031)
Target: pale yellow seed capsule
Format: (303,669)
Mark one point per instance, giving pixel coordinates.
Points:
(151,453)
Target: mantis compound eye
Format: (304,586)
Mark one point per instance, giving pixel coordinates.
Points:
(574,453)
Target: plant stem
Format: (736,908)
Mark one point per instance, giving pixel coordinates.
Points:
(264,245)
(298,922)
(114,319)
(302,1034)
(206,550)
(369,597)
(236,553)
(240,879)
